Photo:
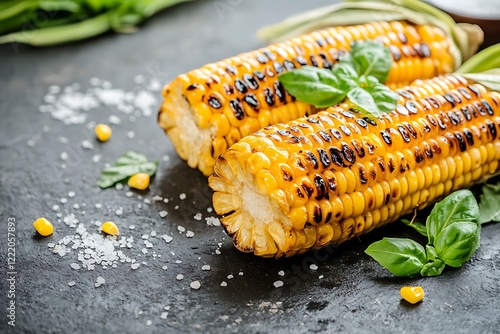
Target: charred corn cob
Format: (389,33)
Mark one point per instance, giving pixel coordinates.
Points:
(207,110)
(335,175)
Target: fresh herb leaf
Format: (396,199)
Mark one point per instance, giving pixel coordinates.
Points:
(419,227)
(370,58)
(357,77)
(373,100)
(127,165)
(433,268)
(313,85)
(453,231)
(402,257)
(489,205)
(460,206)
(456,243)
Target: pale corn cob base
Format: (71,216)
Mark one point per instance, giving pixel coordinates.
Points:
(260,215)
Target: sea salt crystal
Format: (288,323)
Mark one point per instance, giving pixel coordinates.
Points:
(209,209)
(205,267)
(164,315)
(131,227)
(64,156)
(153,233)
(167,238)
(195,285)
(86,144)
(98,205)
(75,266)
(113,119)
(189,234)
(224,283)
(240,273)
(99,281)
(212,221)
(96,158)
(164,267)
(163,213)
(179,277)
(181,229)
(55,207)
(119,186)
(134,266)
(64,200)
(147,201)
(281,273)
(166,200)
(76,206)
(182,196)
(157,198)
(131,134)
(313,267)
(149,323)
(198,216)
(278,284)
(230,276)
(71,283)
(71,194)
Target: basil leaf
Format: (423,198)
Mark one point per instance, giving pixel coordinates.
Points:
(460,206)
(127,165)
(433,268)
(373,100)
(431,252)
(370,58)
(419,227)
(489,204)
(313,85)
(347,76)
(458,242)
(402,257)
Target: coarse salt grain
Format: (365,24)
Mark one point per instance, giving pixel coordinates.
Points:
(205,267)
(181,229)
(71,283)
(230,276)
(224,283)
(64,200)
(281,273)
(134,266)
(71,194)
(163,214)
(129,194)
(86,144)
(182,196)
(157,198)
(212,221)
(167,238)
(99,281)
(179,277)
(75,266)
(189,234)
(198,216)
(313,267)
(64,156)
(278,284)
(164,315)
(195,285)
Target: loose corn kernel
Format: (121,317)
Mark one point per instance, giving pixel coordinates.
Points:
(103,132)
(412,294)
(43,227)
(139,181)
(110,228)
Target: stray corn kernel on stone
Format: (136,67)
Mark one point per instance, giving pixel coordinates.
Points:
(103,132)
(43,226)
(110,228)
(139,181)
(412,294)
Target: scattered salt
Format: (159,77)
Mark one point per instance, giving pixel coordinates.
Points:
(189,234)
(182,196)
(113,119)
(134,266)
(209,209)
(278,284)
(240,273)
(167,238)
(212,221)
(224,283)
(164,315)
(153,233)
(195,285)
(99,281)
(71,194)
(165,200)
(149,323)
(96,158)
(179,277)
(313,267)
(230,276)
(281,273)
(86,144)
(64,156)
(205,267)
(71,283)
(163,214)
(119,186)
(98,205)
(64,200)
(181,229)
(119,211)
(198,216)
(131,134)
(164,267)
(55,207)
(129,194)
(75,266)
(157,198)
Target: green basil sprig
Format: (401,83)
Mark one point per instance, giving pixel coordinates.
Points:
(489,206)
(357,77)
(453,230)
(127,165)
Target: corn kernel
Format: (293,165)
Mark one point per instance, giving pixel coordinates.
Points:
(43,227)
(412,294)
(110,228)
(139,181)
(103,132)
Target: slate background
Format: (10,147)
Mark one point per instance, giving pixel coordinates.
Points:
(356,295)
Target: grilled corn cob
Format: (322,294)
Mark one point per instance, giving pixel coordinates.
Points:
(207,110)
(335,175)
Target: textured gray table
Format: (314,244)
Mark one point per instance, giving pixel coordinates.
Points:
(347,293)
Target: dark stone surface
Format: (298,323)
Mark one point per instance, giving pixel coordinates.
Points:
(355,294)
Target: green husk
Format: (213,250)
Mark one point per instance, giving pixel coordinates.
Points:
(484,68)
(466,38)
(73,20)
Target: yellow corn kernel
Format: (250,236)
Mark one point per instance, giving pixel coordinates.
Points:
(43,226)
(110,228)
(412,294)
(139,181)
(103,132)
